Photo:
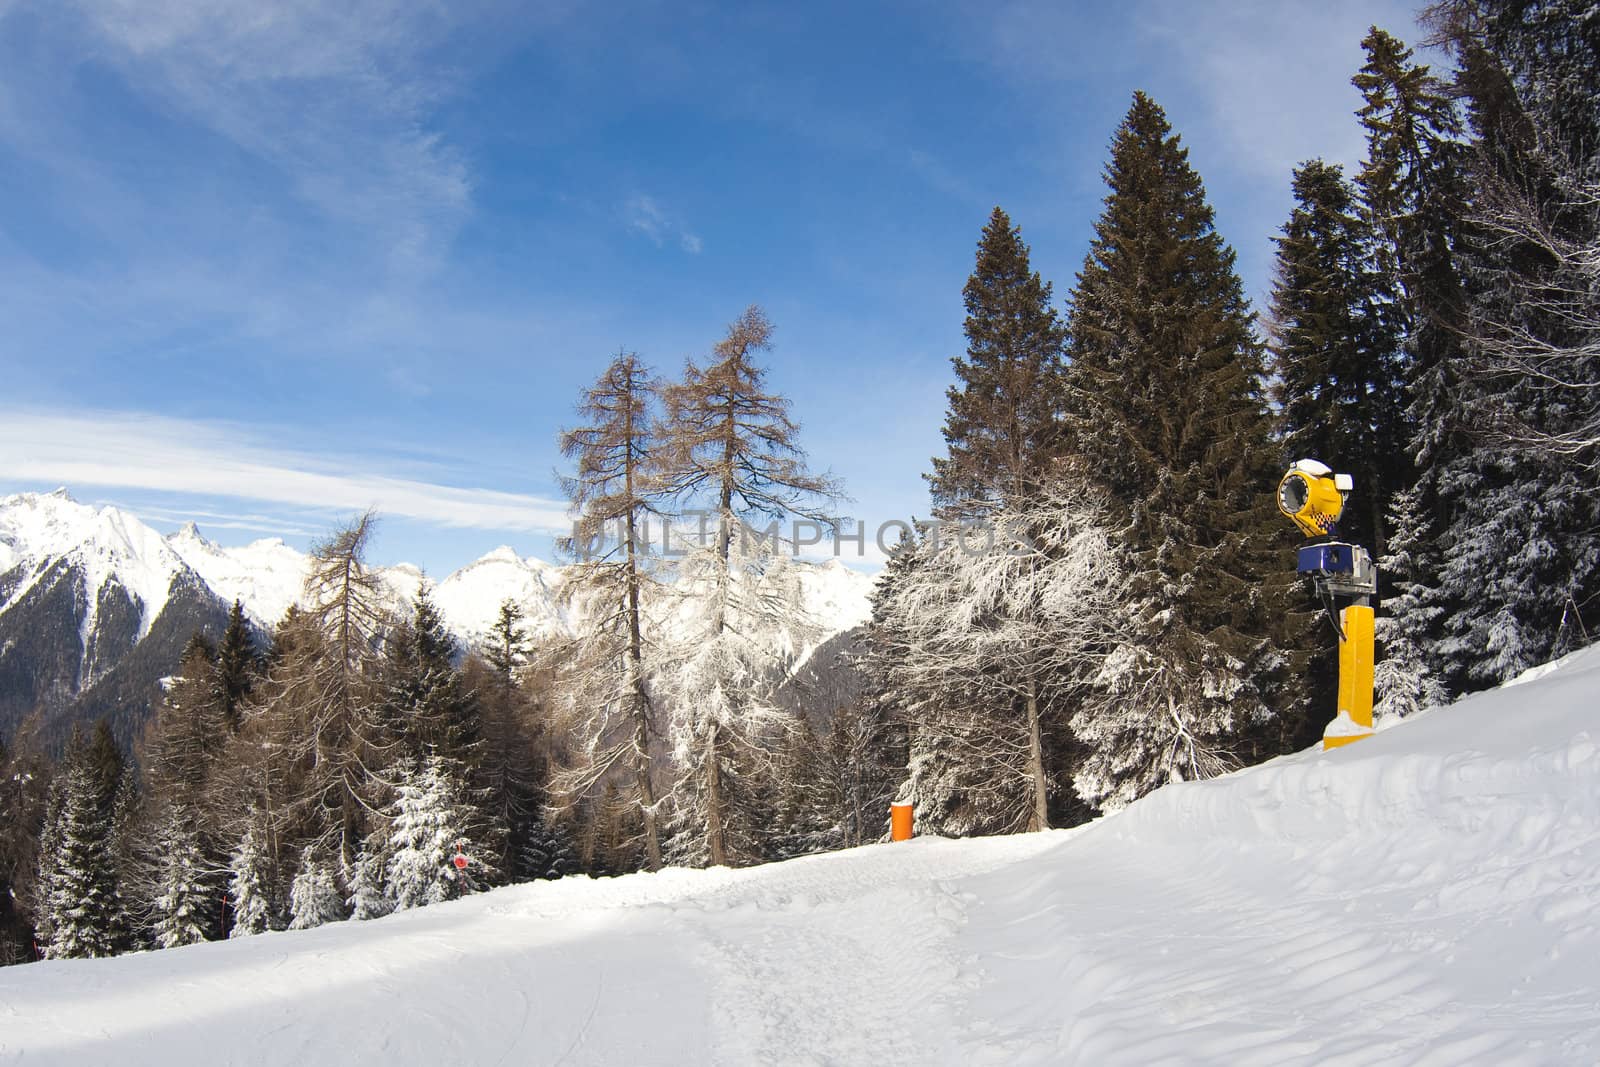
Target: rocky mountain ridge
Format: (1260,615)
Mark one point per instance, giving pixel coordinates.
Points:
(95,605)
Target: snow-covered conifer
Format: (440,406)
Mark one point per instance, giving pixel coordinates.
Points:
(996,632)
(1405,680)
(250,884)
(183,906)
(86,914)
(369,897)
(428,825)
(314,896)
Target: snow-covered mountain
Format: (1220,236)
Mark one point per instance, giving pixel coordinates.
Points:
(95,606)
(1426,896)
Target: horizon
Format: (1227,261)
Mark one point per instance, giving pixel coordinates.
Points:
(264,273)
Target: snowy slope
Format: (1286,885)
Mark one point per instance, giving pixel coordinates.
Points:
(266,576)
(470,598)
(107,546)
(1424,897)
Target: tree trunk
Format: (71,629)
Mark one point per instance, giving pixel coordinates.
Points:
(714,831)
(1040,819)
(638,697)
(647,795)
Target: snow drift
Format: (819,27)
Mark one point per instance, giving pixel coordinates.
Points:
(1424,897)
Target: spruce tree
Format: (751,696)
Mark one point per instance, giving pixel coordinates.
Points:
(508,644)
(24,799)
(1521,551)
(1335,340)
(1002,428)
(427,700)
(547,852)
(314,897)
(237,665)
(1412,186)
(250,883)
(369,897)
(1335,348)
(183,911)
(428,824)
(1169,420)
(86,913)
(1404,681)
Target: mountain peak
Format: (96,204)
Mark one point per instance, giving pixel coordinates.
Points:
(60,493)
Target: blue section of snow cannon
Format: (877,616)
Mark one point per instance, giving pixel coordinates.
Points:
(1332,558)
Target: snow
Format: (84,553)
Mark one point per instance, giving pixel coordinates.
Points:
(471,597)
(266,576)
(1423,896)
(107,546)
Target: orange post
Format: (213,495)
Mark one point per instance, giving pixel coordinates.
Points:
(900,822)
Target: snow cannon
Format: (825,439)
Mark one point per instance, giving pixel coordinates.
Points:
(1313,497)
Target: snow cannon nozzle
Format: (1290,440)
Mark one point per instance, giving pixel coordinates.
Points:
(1313,496)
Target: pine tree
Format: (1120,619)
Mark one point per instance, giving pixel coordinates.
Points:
(1412,185)
(1169,420)
(730,444)
(86,915)
(369,899)
(250,885)
(1004,437)
(190,727)
(177,843)
(1003,428)
(183,911)
(613,494)
(314,897)
(508,644)
(1336,351)
(1521,532)
(429,705)
(994,643)
(428,824)
(237,665)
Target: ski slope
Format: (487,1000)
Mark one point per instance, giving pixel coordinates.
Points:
(1429,896)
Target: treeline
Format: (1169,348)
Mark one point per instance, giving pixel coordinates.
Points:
(1105,604)
(361,763)
(335,773)
(1434,330)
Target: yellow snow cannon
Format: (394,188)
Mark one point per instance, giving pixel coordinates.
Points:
(1313,496)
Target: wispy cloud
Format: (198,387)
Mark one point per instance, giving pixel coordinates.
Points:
(644,215)
(333,96)
(204,459)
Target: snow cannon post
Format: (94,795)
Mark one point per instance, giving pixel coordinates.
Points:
(900,821)
(1313,497)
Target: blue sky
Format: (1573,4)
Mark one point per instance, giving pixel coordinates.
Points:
(264,265)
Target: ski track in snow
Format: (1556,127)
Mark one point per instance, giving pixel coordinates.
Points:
(1426,897)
